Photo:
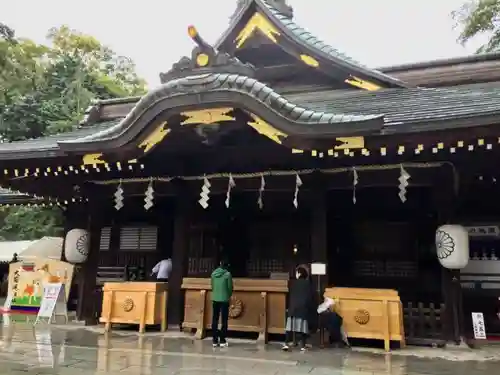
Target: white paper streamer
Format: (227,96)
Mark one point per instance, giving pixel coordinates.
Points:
(230,185)
(404,176)
(355,180)
(119,197)
(260,202)
(149,196)
(204,194)
(298,184)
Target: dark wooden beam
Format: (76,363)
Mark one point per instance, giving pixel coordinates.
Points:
(89,271)
(445,197)
(277,72)
(180,250)
(319,230)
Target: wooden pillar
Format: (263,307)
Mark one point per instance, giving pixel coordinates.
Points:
(68,225)
(73,219)
(451,289)
(319,235)
(175,308)
(86,305)
(446,203)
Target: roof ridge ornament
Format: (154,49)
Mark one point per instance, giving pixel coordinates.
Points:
(206,59)
(240,5)
(282,7)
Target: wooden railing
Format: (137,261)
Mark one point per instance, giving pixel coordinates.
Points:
(424,323)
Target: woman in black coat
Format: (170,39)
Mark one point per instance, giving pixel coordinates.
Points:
(300,305)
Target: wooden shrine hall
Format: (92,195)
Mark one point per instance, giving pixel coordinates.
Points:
(273,149)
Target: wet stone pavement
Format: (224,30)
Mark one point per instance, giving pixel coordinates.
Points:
(80,351)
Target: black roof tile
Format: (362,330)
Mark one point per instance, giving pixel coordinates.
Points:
(51,142)
(404,106)
(196,84)
(307,39)
(335,55)
(399,106)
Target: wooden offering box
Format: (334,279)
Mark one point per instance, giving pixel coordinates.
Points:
(135,303)
(257,305)
(370,313)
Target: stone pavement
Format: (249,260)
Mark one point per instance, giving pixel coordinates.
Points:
(80,351)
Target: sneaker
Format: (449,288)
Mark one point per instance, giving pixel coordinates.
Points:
(215,345)
(224,344)
(303,349)
(285,347)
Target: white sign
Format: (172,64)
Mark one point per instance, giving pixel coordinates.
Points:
(484,231)
(318,269)
(478,326)
(53,302)
(49,299)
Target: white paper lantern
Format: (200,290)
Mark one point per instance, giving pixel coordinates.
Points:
(452,246)
(77,244)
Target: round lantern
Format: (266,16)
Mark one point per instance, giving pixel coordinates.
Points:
(77,244)
(452,246)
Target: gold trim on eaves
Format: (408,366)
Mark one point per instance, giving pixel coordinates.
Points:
(257,22)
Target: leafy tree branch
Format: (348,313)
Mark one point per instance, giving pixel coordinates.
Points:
(45,89)
(478,17)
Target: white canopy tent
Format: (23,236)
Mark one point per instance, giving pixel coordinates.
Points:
(46,247)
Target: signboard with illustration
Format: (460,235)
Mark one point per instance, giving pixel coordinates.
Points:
(26,280)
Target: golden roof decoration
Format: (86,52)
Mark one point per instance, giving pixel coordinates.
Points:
(205,59)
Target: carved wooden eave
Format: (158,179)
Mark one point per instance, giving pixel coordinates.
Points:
(216,98)
(214,88)
(273,19)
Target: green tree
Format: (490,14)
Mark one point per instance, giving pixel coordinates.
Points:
(30,223)
(45,89)
(477,17)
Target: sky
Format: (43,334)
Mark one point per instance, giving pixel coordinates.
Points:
(154,32)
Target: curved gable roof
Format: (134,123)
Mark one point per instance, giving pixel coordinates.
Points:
(308,44)
(246,92)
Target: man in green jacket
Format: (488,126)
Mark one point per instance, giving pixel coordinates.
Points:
(222,290)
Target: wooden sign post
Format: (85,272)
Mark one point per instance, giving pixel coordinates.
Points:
(318,270)
(54,303)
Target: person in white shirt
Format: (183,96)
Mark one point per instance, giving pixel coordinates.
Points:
(162,270)
(333,323)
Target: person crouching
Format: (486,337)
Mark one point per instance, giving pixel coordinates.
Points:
(332,322)
(300,304)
